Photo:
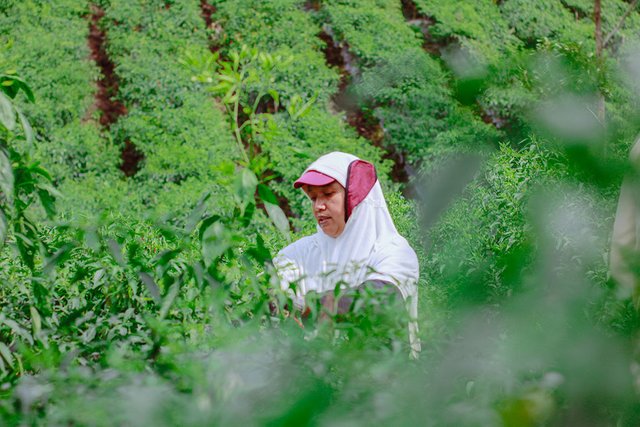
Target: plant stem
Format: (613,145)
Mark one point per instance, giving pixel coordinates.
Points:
(236,128)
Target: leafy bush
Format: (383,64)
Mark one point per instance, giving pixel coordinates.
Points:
(145,302)
(63,88)
(372,29)
(546,19)
(478,27)
(281,28)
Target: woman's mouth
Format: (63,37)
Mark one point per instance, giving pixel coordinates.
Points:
(323,220)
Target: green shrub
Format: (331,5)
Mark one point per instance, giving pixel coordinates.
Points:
(534,21)
(281,28)
(62,76)
(409,96)
(482,247)
(372,29)
(478,26)
(65,87)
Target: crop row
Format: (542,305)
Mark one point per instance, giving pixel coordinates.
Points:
(400,84)
(62,76)
(184,140)
(504,37)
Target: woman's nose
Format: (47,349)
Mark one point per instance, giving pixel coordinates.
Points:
(319,204)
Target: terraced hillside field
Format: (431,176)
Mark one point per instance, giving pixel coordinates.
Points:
(147,154)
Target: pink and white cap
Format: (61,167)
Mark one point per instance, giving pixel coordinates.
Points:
(357,176)
(312,177)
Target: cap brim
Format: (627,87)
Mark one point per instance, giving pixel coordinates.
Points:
(313,178)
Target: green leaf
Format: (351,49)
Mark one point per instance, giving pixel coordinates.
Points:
(169,298)
(215,242)
(16,328)
(4,227)
(245,186)
(163,259)
(36,321)
(266,195)
(6,177)
(275,96)
(151,285)
(300,153)
(196,214)
(5,352)
(278,218)
(60,256)
(17,83)
(26,127)
(220,87)
(7,113)
(249,210)
(259,252)
(48,202)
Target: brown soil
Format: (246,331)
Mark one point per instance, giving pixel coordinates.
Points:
(206,11)
(106,96)
(409,10)
(424,22)
(366,125)
(577,13)
(334,55)
(105,99)
(490,117)
(310,5)
(131,158)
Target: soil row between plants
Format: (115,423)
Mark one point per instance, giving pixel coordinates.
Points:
(106,96)
(366,125)
(436,47)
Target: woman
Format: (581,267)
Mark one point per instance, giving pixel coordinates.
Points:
(356,245)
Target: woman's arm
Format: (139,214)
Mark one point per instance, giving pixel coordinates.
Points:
(379,288)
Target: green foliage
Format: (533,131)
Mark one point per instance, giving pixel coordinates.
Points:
(68,143)
(533,21)
(416,108)
(372,29)
(477,26)
(612,12)
(400,85)
(281,28)
(475,241)
(23,182)
(170,120)
(151,300)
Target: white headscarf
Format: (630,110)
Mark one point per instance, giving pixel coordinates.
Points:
(369,248)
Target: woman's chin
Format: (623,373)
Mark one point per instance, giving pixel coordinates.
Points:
(329,231)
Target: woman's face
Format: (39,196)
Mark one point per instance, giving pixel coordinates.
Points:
(328,206)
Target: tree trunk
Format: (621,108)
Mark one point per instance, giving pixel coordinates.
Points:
(597,18)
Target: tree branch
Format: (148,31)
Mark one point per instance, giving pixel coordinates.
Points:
(613,32)
(597,19)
